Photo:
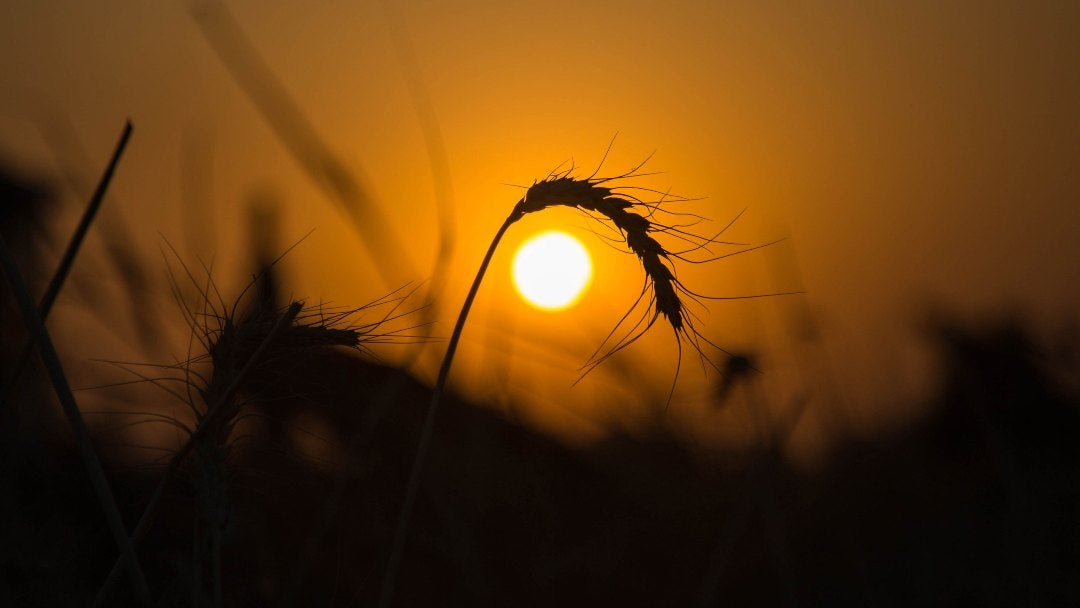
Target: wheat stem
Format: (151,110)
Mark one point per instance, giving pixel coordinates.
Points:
(398,550)
(207,422)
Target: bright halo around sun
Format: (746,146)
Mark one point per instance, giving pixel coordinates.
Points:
(552,270)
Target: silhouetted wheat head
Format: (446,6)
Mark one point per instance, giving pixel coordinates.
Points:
(245,359)
(637,223)
(247,349)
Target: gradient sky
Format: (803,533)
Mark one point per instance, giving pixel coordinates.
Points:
(914,154)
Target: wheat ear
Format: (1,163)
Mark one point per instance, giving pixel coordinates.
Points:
(210,422)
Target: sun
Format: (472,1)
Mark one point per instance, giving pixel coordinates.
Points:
(552,270)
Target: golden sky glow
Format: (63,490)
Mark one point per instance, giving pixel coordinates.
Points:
(911,152)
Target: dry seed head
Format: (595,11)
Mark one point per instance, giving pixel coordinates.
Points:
(637,221)
(231,339)
(315,328)
(590,196)
(562,190)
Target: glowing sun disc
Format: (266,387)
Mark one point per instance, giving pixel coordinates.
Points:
(552,270)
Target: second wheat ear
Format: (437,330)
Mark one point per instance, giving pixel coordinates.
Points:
(637,222)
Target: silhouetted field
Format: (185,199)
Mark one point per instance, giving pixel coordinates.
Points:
(976,503)
(288,479)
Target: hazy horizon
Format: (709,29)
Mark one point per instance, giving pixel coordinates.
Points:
(913,156)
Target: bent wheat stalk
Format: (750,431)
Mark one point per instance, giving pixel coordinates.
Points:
(390,578)
(617,206)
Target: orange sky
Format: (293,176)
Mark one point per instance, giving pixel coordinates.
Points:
(913,152)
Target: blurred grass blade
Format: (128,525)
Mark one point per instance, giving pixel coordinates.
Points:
(118,238)
(84,225)
(436,149)
(66,262)
(36,327)
(289,122)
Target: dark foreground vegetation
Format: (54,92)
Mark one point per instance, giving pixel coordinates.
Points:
(975,504)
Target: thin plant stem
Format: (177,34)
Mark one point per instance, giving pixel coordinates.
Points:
(67,261)
(398,550)
(593,197)
(36,327)
(284,115)
(213,413)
